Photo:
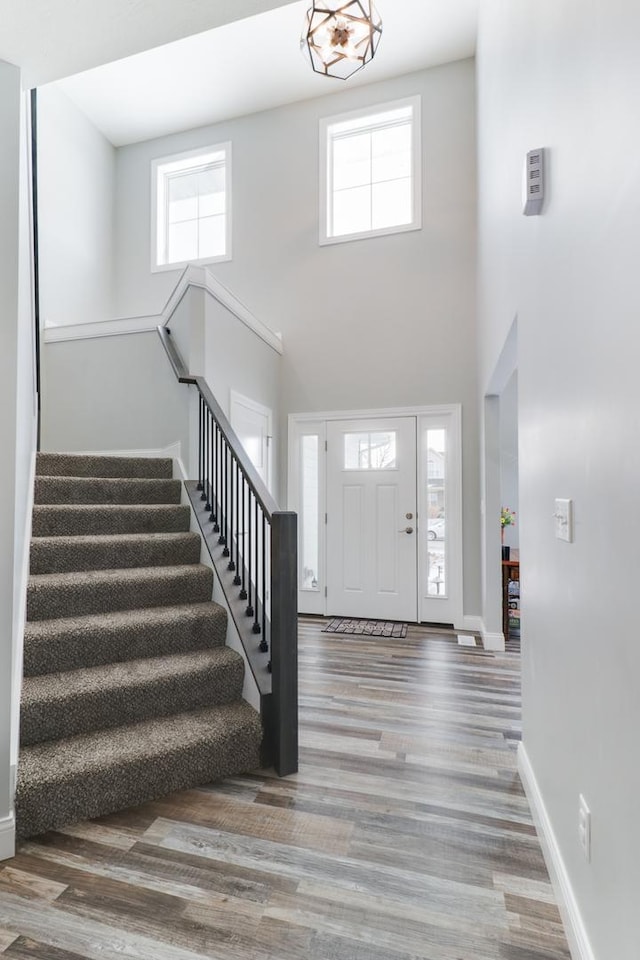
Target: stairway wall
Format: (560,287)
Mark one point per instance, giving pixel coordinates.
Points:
(112,393)
(17,423)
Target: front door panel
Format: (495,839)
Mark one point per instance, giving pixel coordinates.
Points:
(371,518)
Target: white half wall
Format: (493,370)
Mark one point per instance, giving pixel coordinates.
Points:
(111,393)
(76,201)
(382,322)
(565,77)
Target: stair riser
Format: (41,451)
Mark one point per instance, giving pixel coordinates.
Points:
(69,521)
(102,710)
(71,647)
(96,491)
(46,601)
(41,807)
(68,465)
(67,556)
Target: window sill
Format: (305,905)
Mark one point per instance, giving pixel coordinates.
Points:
(325,241)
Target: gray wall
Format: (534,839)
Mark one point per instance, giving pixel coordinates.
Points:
(111,393)
(566,77)
(388,321)
(76,190)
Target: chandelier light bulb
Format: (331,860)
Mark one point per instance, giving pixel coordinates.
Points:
(340,38)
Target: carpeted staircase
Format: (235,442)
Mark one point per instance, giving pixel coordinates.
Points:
(129,691)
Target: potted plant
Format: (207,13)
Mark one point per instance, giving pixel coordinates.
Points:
(507,519)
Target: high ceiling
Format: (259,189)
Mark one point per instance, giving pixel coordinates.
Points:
(239,67)
(50,39)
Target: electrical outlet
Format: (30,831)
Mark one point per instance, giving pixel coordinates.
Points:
(584,828)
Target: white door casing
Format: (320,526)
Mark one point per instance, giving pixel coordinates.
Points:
(439,597)
(253,424)
(371,527)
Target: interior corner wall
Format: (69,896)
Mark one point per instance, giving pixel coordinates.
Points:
(76,201)
(381,322)
(565,77)
(18,410)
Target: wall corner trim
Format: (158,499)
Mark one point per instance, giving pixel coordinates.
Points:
(191,276)
(7,837)
(575,930)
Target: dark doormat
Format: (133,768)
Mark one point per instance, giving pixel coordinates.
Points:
(367,628)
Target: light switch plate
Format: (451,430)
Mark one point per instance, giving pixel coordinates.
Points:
(564,520)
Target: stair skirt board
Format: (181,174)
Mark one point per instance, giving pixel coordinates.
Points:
(129,691)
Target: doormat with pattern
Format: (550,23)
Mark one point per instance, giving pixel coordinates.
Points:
(368,628)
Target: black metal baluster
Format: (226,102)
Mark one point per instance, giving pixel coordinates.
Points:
(200,405)
(256,622)
(243,559)
(217,500)
(237,580)
(207,462)
(249,610)
(212,454)
(223,484)
(233,494)
(264,646)
(226,526)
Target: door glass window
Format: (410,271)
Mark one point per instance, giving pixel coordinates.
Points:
(309,454)
(437,512)
(370,451)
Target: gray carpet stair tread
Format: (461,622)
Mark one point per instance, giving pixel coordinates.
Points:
(61,705)
(105,490)
(70,643)
(67,554)
(56,520)
(93,774)
(53,595)
(83,465)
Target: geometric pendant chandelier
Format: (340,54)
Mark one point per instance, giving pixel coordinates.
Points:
(341,37)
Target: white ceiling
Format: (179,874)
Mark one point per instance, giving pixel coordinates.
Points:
(50,39)
(253,64)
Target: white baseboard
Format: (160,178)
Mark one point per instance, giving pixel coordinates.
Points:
(574,927)
(173,450)
(7,837)
(472,624)
(492,641)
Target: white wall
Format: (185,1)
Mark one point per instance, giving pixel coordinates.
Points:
(76,188)
(566,77)
(111,393)
(17,425)
(372,323)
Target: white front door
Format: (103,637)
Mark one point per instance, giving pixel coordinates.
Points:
(371,525)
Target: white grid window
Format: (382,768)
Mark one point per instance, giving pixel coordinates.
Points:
(191,200)
(370,172)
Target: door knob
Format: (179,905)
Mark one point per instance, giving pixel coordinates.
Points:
(406,530)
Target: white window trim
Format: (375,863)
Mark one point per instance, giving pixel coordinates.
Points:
(416,180)
(187,155)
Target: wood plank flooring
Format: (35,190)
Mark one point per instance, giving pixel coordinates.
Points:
(405,835)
